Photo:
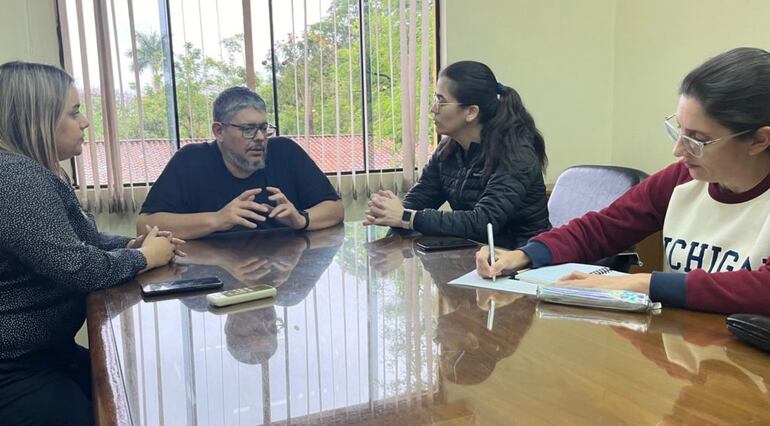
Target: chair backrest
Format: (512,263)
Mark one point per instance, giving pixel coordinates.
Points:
(581,189)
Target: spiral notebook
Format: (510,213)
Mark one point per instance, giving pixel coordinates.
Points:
(527,281)
(543,283)
(548,275)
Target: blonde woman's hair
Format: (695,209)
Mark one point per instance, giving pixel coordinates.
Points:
(32,99)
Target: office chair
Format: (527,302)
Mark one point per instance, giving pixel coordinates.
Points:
(581,189)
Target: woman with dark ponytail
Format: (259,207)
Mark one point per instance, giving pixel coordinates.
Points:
(489,166)
(713,205)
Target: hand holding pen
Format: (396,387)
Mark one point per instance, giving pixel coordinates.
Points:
(506,262)
(491,240)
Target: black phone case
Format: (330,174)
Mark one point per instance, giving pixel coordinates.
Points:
(443,244)
(752,329)
(182,288)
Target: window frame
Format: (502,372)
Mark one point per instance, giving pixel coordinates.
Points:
(365,101)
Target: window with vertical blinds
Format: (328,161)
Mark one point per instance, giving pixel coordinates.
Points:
(348,80)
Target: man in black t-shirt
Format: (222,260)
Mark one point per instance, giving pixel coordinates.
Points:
(232,184)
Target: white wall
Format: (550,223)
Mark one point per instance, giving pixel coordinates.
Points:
(657,42)
(557,54)
(600,75)
(28,31)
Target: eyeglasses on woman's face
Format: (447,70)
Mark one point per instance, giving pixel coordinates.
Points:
(693,146)
(437,103)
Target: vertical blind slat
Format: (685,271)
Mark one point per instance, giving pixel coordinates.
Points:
(412,71)
(407,142)
(362,41)
(248,45)
(422,148)
(307,103)
(321,78)
(351,105)
(336,103)
(392,86)
(117,49)
(137,82)
(109,113)
(89,108)
(378,75)
(67,50)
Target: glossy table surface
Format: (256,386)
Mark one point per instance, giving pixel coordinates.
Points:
(364,329)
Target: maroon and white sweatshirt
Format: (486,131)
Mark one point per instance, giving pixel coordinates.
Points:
(715,244)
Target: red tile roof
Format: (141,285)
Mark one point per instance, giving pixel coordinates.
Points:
(155,153)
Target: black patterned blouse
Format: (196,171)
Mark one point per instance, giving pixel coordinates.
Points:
(51,257)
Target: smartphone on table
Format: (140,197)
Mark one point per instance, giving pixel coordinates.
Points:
(181,286)
(428,244)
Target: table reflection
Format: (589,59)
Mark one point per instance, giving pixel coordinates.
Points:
(469,351)
(341,340)
(716,368)
(252,336)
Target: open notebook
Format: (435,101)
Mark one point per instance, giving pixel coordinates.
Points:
(548,275)
(528,280)
(542,282)
(474,280)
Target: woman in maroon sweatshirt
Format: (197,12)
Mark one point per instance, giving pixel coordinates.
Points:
(713,205)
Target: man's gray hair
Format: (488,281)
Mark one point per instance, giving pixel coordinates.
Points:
(231,101)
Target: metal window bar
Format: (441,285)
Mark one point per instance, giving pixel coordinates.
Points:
(276,107)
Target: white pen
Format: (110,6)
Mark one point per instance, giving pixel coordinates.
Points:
(491,314)
(491,240)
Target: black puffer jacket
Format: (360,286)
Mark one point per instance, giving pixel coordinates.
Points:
(513,201)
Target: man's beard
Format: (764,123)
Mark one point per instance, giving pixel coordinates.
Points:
(244,164)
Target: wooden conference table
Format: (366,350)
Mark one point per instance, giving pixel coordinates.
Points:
(365,330)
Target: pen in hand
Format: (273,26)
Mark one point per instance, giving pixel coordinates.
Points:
(491,240)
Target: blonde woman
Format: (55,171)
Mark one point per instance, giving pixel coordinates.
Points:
(51,254)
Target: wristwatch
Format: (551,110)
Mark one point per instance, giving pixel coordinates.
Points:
(306,215)
(407,219)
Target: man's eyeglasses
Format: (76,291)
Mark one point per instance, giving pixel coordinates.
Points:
(691,145)
(249,131)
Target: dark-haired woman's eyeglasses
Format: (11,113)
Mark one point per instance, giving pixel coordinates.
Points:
(693,146)
(437,102)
